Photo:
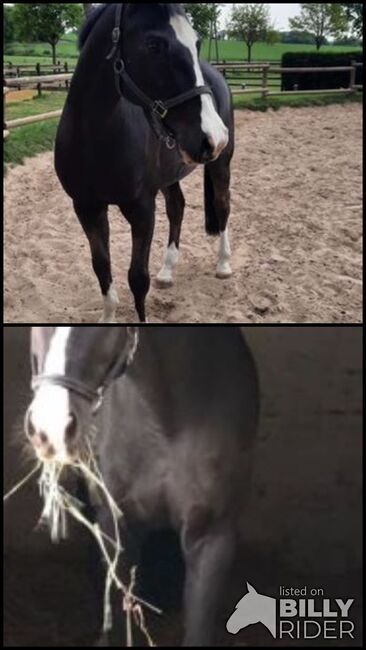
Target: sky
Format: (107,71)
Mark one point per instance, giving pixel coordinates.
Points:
(280,13)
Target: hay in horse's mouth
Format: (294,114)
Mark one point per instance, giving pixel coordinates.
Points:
(58,503)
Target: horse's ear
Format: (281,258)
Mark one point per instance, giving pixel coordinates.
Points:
(251,589)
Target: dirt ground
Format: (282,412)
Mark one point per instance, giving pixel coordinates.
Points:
(295,230)
(20,95)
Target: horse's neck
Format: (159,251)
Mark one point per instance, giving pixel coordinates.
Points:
(93,79)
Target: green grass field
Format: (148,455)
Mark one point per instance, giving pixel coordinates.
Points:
(228,50)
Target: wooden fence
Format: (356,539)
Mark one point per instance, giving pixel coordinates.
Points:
(36,69)
(267,72)
(53,82)
(264,70)
(24,82)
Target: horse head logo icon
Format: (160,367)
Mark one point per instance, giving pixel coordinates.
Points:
(253,608)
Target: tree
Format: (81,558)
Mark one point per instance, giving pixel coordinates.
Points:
(46,22)
(354,13)
(200,15)
(8,24)
(321,20)
(251,24)
(215,11)
(295,37)
(350,41)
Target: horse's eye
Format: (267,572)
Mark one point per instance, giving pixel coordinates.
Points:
(154,46)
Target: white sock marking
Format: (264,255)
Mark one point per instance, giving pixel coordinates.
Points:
(170,262)
(223,267)
(111,303)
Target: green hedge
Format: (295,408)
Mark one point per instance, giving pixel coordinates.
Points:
(319,80)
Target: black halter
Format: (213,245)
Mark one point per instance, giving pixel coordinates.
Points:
(93,395)
(158,108)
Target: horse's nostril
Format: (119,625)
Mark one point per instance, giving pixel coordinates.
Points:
(71,429)
(207,150)
(206,147)
(39,439)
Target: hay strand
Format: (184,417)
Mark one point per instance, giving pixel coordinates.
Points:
(22,483)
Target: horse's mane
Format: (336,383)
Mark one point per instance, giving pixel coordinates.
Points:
(89,24)
(92,19)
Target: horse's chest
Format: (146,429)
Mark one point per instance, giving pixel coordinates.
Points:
(136,464)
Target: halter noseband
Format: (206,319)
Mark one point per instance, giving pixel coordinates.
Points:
(158,108)
(92,395)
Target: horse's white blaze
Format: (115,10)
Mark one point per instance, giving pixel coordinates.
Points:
(50,409)
(223,267)
(211,123)
(55,362)
(170,262)
(111,303)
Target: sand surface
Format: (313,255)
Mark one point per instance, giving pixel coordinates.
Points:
(295,231)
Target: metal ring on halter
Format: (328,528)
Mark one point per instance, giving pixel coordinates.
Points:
(170,142)
(119,66)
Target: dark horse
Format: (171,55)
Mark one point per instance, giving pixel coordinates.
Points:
(176,427)
(141,114)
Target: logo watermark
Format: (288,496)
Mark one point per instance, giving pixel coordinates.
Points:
(308,614)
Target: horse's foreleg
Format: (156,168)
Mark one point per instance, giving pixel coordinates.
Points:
(141,216)
(175,205)
(94,220)
(209,560)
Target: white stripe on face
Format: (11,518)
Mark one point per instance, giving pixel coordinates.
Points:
(211,123)
(50,410)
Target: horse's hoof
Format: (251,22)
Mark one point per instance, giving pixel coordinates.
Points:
(107,321)
(224,273)
(164,283)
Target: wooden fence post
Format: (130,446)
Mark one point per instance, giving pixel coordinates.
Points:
(266,68)
(352,81)
(5,130)
(39,89)
(38,69)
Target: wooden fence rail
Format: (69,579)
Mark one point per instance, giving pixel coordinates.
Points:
(27,68)
(28,81)
(266,70)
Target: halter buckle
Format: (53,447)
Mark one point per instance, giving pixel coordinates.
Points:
(116,34)
(159,109)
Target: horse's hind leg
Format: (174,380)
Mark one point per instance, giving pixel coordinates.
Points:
(209,557)
(175,205)
(217,206)
(94,220)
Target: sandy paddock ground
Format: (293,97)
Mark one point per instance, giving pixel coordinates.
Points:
(295,230)
(20,95)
